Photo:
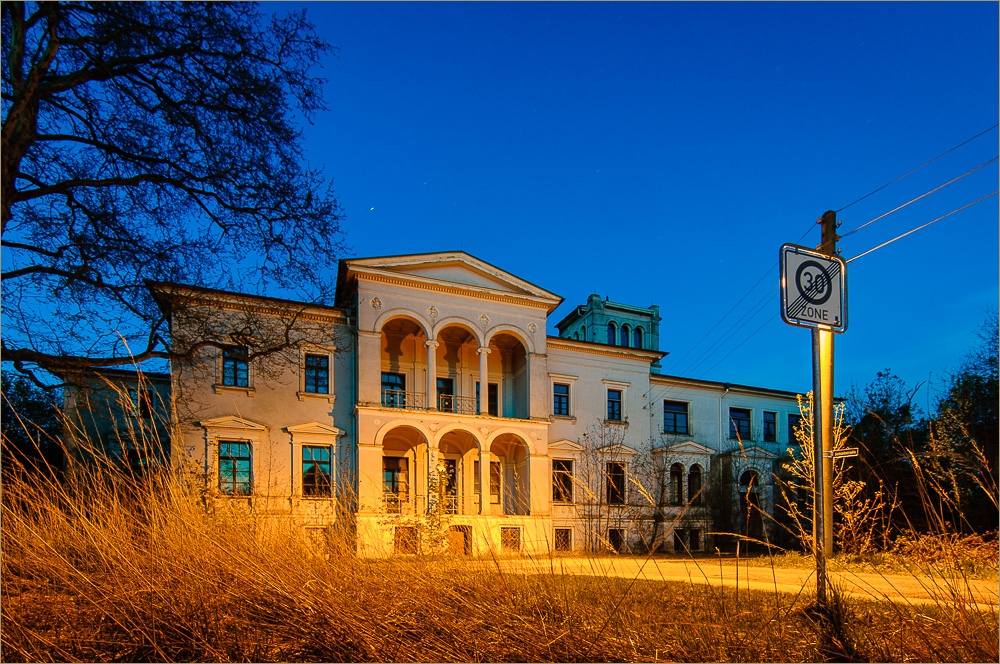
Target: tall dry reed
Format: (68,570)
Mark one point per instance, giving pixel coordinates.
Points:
(99,564)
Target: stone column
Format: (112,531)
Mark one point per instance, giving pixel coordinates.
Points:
(484,381)
(432,473)
(484,481)
(432,374)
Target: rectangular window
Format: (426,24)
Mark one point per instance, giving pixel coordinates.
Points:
(510,539)
(234,468)
(316,471)
(393,390)
(739,423)
(615,487)
(675,417)
(235,368)
(560,399)
(492,399)
(446,394)
(770,427)
(616,538)
(496,477)
(395,482)
(496,481)
(562,481)
(615,405)
(142,402)
(794,422)
(564,539)
(317,374)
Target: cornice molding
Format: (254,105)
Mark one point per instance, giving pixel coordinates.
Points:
(601,349)
(430,284)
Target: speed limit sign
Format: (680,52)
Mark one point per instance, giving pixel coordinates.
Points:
(813,288)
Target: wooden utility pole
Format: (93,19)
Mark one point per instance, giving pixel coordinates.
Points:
(822,345)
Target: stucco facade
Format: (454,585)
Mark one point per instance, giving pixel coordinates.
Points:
(430,409)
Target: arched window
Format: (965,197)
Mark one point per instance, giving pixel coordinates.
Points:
(612,330)
(677,484)
(576,336)
(694,484)
(637,338)
(583,333)
(625,335)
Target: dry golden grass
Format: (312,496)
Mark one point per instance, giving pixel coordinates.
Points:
(100,566)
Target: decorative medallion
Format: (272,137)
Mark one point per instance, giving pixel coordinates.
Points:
(376,303)
(484,320)
(377,422)
(432,312)
(532,328)
(432,427)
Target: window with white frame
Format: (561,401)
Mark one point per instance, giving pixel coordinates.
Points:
(563,539)
(675,417)
(560,399)
(316,373)
(317,481)
(614,405)
(794,422)
(739,423)
(235,466)
(235,366)
(770,427)
(615,478)
(562,481)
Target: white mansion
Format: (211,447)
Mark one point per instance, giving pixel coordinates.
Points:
(430,409)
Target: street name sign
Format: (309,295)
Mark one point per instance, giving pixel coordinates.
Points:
(813,288)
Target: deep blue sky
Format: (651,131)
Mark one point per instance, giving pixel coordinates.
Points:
(662,153)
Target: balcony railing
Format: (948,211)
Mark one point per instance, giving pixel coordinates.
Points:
(451,504)
(403,399)
(449,403)
(395,503)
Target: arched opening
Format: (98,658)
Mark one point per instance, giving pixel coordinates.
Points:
(508,378)
(403,359)
(750,511)
(404,471)
(510,453)
(676,484)
(626,330)
(612,334)
(455,357)
(458,452)
(637,338)
(694,485)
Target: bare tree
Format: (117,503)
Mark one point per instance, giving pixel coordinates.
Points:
(153,141)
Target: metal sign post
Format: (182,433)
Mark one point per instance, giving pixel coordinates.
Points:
(814,295)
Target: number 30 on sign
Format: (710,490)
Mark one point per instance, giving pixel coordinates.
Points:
(813,288)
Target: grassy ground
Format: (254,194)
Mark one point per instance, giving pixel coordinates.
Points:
(96,570)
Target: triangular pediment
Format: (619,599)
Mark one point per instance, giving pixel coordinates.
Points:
(618,450)
(314,429)
(688,447)
(565,446)
(454,269)
(232,422)
(754,452)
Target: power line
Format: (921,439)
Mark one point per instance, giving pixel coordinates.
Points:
(751,336)
(923,195)
(921,227)
(968,140)
(757,307)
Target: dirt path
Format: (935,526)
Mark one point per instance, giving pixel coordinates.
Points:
(870,586)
